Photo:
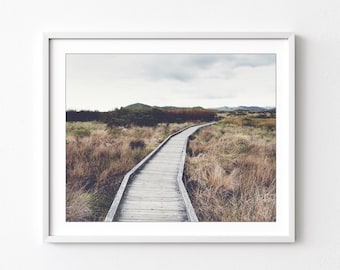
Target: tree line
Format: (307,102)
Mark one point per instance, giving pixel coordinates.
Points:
(148,117)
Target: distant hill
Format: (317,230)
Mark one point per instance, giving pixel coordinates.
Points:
(173,108)
(141,106)
(242,108)
(138,107)
(170,108)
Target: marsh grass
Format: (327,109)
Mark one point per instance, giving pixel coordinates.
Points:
(230,170)
(97,158)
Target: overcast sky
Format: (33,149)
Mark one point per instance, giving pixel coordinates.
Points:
(107,81)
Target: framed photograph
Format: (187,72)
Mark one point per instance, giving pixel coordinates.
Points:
(169,137)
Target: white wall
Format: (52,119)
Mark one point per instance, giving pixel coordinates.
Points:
(318,128)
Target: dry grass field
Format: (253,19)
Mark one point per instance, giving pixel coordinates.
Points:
(230,170)
(97,159)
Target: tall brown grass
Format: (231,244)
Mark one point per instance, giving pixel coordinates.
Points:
(97,159)
(230,171)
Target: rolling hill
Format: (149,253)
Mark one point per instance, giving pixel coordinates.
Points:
(138,107)
(141,107)
(242,108)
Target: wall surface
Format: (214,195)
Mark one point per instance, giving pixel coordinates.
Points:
(317,130)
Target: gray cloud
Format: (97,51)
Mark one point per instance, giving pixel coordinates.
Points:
(251,60)
(106,81)
(188,67)
(232,60)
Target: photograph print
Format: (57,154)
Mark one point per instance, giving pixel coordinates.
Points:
(170,137)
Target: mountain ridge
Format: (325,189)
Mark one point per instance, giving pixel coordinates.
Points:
(242,108)
(141,106)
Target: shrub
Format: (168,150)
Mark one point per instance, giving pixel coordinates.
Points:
(137,144)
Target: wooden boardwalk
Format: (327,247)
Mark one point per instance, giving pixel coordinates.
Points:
(153,191)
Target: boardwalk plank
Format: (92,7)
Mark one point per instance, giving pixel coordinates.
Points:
(155,192)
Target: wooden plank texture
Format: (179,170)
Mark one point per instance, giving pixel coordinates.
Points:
(154,191)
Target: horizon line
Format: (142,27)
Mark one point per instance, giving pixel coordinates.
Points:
(210,108)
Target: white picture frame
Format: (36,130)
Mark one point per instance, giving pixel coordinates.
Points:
(56,45)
